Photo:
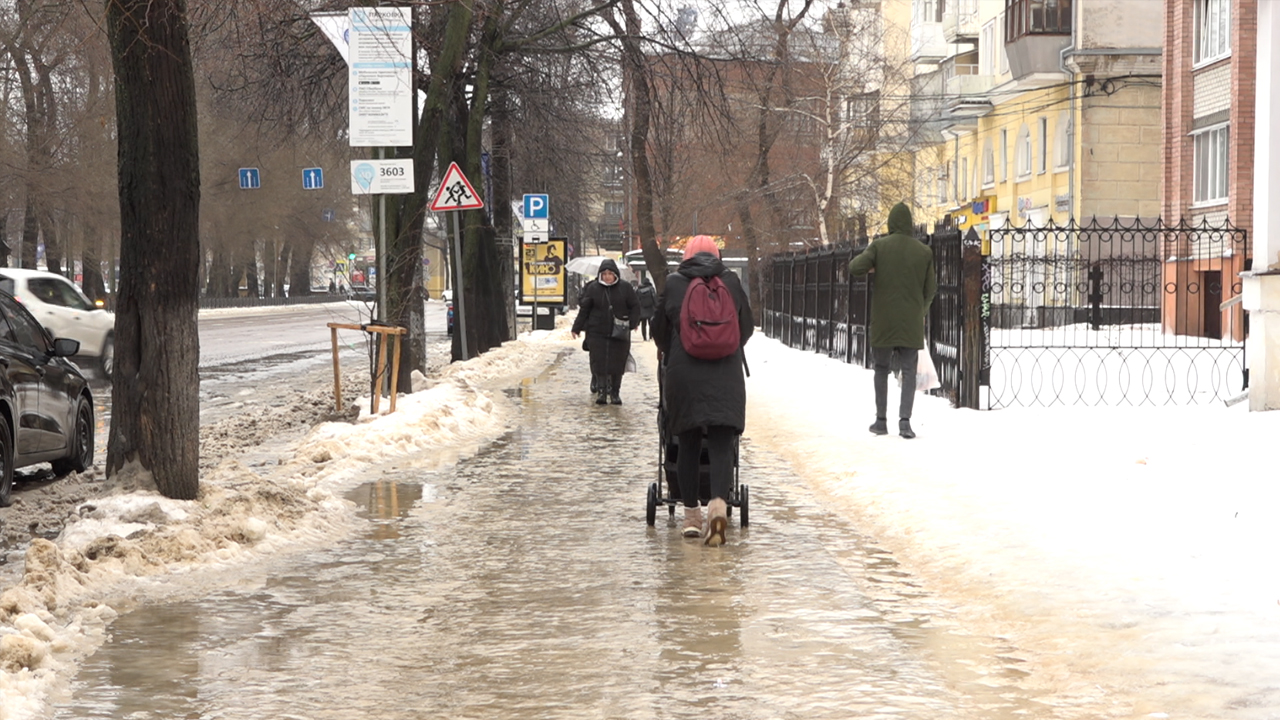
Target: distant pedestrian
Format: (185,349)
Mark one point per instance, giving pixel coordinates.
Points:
(648,297)
(702,395)
(905,283)
(608,311)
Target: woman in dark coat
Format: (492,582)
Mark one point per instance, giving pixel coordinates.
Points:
(602,301)
(700,395)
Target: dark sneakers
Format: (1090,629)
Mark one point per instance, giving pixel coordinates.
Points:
(880,427)
(615,399)
(602,398)
(904,429)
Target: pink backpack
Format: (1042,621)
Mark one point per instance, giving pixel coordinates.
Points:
(709,320)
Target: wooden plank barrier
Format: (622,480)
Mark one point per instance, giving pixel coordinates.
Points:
(386,332)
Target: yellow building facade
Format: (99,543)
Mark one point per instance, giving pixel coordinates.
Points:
(1039,118)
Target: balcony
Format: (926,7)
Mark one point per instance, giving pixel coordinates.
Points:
(1035,33)
(960,25)
(927,43)
(962,79)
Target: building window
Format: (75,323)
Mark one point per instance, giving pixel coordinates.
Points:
(1042,139)
(987,49)
(1036,17)
(1004,155)
(988,165)
(928,11)
(1004,55)
(1063,149)
(942,186)
(1213,30)
(1022,154)
(964,180)
(1211,153)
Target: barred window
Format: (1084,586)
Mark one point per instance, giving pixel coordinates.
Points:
(1211,154)
(1213,30)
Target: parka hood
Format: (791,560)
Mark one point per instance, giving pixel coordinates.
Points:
(608,264)
(701,265)
(900,220)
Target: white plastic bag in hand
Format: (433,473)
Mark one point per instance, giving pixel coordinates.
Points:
(926,373)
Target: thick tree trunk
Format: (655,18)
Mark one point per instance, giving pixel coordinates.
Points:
(282,269)
(246,266)
(300,267)
(5,250)
(640,110)
(30,233)
(482,262)
(91,264)
(52,244)
(155,426)
(218,280)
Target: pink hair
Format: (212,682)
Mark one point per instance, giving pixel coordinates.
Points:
(700,243)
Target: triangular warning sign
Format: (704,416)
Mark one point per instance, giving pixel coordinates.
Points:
(455,192)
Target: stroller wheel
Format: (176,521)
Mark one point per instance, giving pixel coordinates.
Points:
(743,500)
(651,505)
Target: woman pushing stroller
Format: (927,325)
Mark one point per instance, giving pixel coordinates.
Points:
(704,388)
(608,311)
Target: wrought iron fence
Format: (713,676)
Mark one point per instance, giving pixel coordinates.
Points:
(814,304)
(1105,313)
(1115,313)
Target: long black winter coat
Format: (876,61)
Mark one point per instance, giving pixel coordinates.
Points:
(695,392)
(608,356)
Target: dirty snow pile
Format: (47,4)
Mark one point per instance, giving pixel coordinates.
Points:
(129,544)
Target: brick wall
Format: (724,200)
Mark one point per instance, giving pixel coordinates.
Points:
(1188,94)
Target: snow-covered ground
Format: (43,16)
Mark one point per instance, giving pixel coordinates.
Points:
(1126,552)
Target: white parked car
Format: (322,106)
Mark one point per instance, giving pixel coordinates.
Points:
(65,312)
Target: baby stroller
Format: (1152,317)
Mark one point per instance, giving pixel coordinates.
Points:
(668,453)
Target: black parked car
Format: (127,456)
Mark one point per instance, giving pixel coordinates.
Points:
(46,409)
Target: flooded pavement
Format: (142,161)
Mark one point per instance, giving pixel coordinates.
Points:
(524,583)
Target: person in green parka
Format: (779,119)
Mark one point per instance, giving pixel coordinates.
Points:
(905,283)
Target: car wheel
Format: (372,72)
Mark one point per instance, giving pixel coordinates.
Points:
(6,463)
(108,360)
(81,445)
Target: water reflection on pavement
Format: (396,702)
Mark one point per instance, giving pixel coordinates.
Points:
(524,583)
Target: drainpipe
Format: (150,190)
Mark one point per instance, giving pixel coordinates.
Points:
(1072,123)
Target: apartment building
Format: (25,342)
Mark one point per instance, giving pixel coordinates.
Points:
(1050,109)
(1210,69)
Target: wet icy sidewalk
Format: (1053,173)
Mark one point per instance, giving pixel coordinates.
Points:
(523,583)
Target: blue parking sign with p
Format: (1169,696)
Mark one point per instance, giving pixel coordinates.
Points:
(536,206)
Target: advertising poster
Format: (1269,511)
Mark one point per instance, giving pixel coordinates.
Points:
(542,271)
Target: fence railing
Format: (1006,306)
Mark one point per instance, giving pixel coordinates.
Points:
(1105,313)
(247,302)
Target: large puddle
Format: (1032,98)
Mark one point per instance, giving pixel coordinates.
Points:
(524,583)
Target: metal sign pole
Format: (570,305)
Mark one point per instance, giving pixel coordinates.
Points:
(382,250)
(461,318)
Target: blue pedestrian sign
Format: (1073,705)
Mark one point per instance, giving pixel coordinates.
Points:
(326,215)
(312,179)
(535,206)
(249,179)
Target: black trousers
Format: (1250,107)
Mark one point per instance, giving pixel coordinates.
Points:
(720,455)
(882,361)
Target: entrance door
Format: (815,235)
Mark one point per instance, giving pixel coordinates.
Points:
(1211,283)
